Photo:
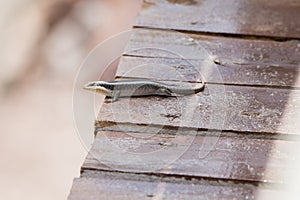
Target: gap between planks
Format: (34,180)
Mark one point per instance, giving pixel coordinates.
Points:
(225,35)
(173,130)
(153,177)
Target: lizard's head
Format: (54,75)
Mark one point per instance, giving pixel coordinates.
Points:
(98,86)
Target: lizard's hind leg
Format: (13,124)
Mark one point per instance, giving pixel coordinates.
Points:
(164,92)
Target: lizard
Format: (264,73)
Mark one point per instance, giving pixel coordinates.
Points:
(139,87)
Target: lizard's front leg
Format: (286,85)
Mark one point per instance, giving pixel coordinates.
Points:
(115,95)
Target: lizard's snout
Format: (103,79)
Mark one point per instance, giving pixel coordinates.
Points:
(90,86)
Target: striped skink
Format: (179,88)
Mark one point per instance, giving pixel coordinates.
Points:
(139,87)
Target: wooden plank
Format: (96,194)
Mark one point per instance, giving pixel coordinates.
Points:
(243,159)
(108,188)
(172,44)
(227,52)
(258,17)
(172,69)
(218,107)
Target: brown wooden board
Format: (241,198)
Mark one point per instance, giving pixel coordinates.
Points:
(109,188)
(237,61)
(218,107)
(178,69)
(243,159)
(275,18)
(242,51)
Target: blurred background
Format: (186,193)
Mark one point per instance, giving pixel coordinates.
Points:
(42,44)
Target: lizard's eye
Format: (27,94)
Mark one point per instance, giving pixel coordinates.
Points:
(90,84)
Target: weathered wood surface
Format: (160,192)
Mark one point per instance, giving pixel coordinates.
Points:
(230,108)
(192,156)
(106,187)
(274,18)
